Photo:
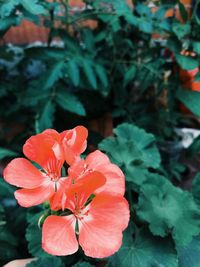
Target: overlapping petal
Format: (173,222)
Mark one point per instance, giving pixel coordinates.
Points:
(38,148)
(98,161)
(20,172)
(32,197)
(100,233)
(58,235)
(74,142)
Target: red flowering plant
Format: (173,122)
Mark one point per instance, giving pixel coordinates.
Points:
(85,195)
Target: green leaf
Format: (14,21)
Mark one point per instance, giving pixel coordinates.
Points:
(33,7)
(186,62)
(4,153)
(196,188)
(52,75)
(139,155)
(181,29)
(183,11)
(6,190)
(144,250)
(161,205)
(45,120)
(7,8)
(190,99)
(47,261)
(189,256)
(70,102)
(34,235)
(83,264)
(101,73)
(89,72)
(73,71)
(196,47)
(130,74)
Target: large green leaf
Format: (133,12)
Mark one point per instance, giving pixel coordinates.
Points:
(144,250)
(47,261)
(133,150)
(70,102)
(189,256)
(168,209)
(190,99)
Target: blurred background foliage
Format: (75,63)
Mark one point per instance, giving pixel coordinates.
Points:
(131,66)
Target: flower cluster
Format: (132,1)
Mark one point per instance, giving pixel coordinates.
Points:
(88,192)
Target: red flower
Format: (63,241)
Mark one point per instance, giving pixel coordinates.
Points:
(50,150)
(98,222)
(95,161)
(98,161)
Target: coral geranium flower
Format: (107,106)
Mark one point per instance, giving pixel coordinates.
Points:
(95,161)
(49,150)
(98,222)
(98,161)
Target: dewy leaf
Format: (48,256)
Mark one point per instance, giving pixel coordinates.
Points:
(4,152)
(189,256)
(190,99)
(144,250)
(140,154)
(161,205)
(47,261)
(186,62)
(33,7)
(70,102)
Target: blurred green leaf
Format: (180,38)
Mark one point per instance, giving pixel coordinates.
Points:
(190,99)
(186,62)
(46,117)
(189,256)
(4,153)
(33,7)
(74,72)
(70,102)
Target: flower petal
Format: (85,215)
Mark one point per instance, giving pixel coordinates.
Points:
(32,197)
(58,235)
(20,172)
(58,200)
(38,148)
(115,181)
(74,142)
(100,231)
(78,193)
